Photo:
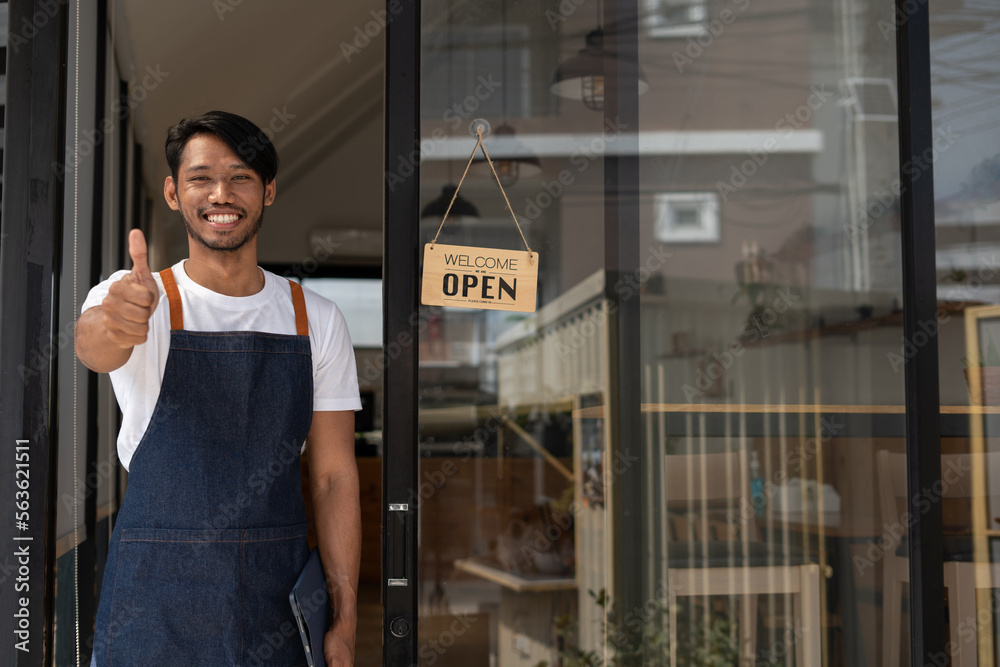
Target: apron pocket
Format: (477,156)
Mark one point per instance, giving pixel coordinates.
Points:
(176,598)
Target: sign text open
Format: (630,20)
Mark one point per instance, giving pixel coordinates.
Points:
(488,278)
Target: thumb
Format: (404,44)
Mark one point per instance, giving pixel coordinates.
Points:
(137,251)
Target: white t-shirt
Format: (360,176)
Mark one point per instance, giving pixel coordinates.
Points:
(137,383)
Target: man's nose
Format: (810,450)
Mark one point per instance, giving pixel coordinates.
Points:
(221,192)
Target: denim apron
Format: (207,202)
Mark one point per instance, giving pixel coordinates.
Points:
(211,535)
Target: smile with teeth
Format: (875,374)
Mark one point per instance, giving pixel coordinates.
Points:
(222,218)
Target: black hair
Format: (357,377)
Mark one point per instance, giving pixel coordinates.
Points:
(245,139)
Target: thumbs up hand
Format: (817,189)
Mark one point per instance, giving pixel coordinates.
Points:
(131,301)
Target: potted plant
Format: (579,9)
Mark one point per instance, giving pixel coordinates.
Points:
(706,641)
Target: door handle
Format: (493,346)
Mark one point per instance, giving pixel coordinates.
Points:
(400,546)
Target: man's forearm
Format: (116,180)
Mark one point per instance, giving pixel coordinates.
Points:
(93,346)
(337,513)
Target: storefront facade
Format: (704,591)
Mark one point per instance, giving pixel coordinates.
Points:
(751,419)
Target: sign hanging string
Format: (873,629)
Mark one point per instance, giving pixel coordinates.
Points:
(480,144)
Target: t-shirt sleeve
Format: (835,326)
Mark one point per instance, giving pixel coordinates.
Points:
(99,291)
(336,375)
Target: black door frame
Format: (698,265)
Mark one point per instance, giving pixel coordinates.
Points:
(923,405)
(400,303)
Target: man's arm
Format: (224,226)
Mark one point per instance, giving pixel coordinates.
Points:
(336,499)
(106,334)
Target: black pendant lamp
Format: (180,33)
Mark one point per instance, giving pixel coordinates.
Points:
(509,169)
(462,208)
(581,77)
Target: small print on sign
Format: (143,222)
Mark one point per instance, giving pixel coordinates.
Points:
(487,278)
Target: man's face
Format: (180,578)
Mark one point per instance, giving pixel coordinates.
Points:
(221,199)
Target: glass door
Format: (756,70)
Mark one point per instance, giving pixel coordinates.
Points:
(675,459)
(967,219)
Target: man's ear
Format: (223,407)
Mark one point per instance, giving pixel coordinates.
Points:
(170,193)
(269,191)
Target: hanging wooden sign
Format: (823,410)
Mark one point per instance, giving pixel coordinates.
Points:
(488,278)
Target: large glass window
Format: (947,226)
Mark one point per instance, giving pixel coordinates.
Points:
(771,339)
(966,167)
(770,342)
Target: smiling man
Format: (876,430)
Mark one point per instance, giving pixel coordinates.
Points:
(222,370)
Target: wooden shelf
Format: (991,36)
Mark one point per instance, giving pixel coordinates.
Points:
(850,327)
(514,582)
(597,411)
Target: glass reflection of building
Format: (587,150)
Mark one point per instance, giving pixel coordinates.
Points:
(771,333)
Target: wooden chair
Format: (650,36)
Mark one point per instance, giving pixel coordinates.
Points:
(741,566)
(960,568)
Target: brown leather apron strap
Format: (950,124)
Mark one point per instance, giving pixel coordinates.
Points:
(174,299)
(299,302)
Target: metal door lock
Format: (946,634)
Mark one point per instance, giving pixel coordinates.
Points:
(399,627)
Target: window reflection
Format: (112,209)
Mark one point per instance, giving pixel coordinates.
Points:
(965,90)
(770,339)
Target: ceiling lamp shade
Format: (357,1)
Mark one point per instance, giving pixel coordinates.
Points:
(581,77)
(462,208)
(514,160)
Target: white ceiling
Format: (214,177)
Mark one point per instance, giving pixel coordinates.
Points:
(281,65)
